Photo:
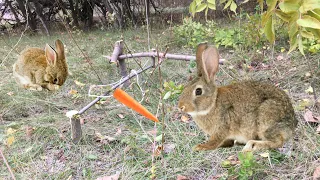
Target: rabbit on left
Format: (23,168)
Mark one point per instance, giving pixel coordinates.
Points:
(36,68)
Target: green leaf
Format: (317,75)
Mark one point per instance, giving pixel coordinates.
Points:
(198,2)
(314,14)
(282,15)
(308,21)
(308,5)
(315,32)
(293,29)
(300,45)
(233,7)
(212,6)
(307,34)
(167,95)
(228,4)
(222,1)
(201,7)
(271,4)
(192,7)
(289,6)
(293,43)
(211,1)
(92,157)
(158,138)
(269,30)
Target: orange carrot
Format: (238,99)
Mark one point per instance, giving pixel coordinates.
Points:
(127,100)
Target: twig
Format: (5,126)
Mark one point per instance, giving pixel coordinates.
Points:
(8,166)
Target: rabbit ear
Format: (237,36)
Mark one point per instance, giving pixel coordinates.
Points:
(60,49)
(51,55)
(201,47)
(210,63)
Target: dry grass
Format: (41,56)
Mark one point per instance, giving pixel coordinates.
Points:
(48,153)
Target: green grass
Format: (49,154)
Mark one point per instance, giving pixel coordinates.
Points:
(48,153)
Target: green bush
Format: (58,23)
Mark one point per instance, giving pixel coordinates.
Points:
(191,33)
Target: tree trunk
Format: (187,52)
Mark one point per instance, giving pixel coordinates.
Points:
(38,10)
(74,13)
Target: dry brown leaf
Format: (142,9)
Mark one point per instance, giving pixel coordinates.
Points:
(158,150)
(73,92)
(308,116)
(121,116)
(112,177)
(78,83)
(316,173)
(185,119)
(10,140)
(29,131)
(181,177)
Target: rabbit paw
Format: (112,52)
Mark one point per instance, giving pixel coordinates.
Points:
(53,87)
(33,87)
(199,147)
(250,146)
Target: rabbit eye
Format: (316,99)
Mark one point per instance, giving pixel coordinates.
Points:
(198,91)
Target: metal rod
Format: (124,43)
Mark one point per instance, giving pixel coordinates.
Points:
(154,54)
(112,88)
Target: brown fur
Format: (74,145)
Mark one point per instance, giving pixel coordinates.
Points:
(257,114)
(36,68)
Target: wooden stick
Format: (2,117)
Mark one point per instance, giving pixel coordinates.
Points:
(154,54)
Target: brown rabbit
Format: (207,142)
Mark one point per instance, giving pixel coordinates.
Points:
(257,114)
(37,68)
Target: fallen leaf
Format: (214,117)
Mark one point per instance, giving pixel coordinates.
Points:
(308,116)
(112,177)
(10,140)
(318,129)
(92,157)
(29,131)
(104,139)
(316,173)
(185,119)
(265,154)
(73,92)
(309,90)
(168,148)
(280,57)
(121,116)
(78,83)
(10,93)
(181,177)
(308,74)
(158,150)
(302,104)
(11,131)
(119,131)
